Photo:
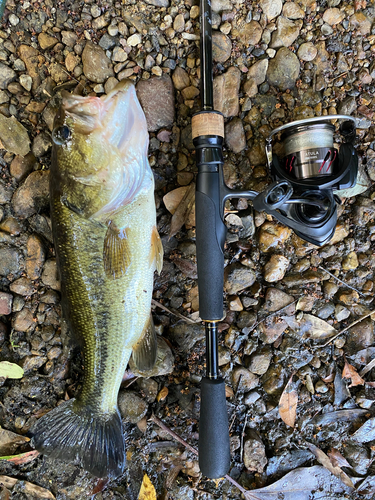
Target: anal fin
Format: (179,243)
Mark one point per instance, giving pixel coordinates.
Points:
(145,351)
(157,251)
(116,251)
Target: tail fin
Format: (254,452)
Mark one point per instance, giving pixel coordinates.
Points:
(72,434)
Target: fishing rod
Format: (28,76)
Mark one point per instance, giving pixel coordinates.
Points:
(301,196)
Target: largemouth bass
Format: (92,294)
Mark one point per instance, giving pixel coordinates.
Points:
(107,246)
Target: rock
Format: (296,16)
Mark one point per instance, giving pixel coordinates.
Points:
(179,23)
(276,299)
(347,106)
(10,261)
(30,56)
(50,275)
(26,81)
(71,61)
(221,47)
(333,16)
(237,278)
(163,365)
(156,96)
(35,257)
(58,73)
(33,195)
(32,363)
(341,312)
(23,321)
(190,92)
(271,8)
(273,380)
(258,71)
(307,51)
(272,235)
(326,310)
(14,136)
(322,61)
(254,455)
(158,3)
(41,144)
(275,268)
(46,42)
(186,335)
(251,33)
(359,21)
(350,262)
(107,41)
(341,232)
(69,38)
(235,135)
(96,65)
(260,361)
(286,33)
(226,88)
(5,194)
(292,11)
(243,380)
(283,69)
(360,336)
(132,407)
(22,286)
(271,329)
(6,300)
(7,75)
(363,211)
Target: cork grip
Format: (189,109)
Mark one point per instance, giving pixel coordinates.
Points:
(209,123)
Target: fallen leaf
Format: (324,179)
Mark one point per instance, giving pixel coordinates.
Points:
(147,491)
(229,393)
(10,441)
(142,424)
(337,460)
(311,327)
(4,493)
(163,393)
(305,483)
(368,486)
(326,462)
(367,368)
(288,403)
(183,210)
(338,416)
(351,373)
(8,482)
(366,432)
(22,458)
(26,487)
(10,370)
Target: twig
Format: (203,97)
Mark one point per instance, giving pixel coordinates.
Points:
(175,313)
(242,436)
(272,314)
(367,368)
(341,281)
(344,330)
(338,76)
(231,424)
(178,438)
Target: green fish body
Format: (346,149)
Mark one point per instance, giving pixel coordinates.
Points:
(104,227)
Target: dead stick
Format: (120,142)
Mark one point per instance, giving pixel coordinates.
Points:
(272,314)
(341,281)
(178,438)
(175,313)
(344,330)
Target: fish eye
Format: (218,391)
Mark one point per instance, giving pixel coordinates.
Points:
(61,134)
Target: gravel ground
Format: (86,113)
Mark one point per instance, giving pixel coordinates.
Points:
(274,61)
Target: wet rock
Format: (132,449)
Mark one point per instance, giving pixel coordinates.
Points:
(22,286)
(41,224)
(286,33)
(275,268)
(254,455)
(350,262)
(180,78)
(347,106)
(359,21)
(156,96)
(58,73)
(96,65)
(272,235)
(32,363)
(6,300)
(50,276)
(333,16)
(276,299)
(243,380)
(5,194)
(341,312)
(307,51)
(23,321)
(163,364)
(251,33)
(289,460)
(186,335)
(258,71)
(271,8)
(283,69)
(30,56)
(46,42)
(273,380)
(326,310)
(221,47)
(69,38)
(235,135)
(33,195)
(360,336)
(237,278)
(260,361)
(341,232)
(54,353)
(26,81)
(10,261)
(292,11)
(35,257)
(149,388)
(358,457)
(132,407)
(41,144)
(271,329)
(7,75)
(14,136)
(226,88)
(11,226)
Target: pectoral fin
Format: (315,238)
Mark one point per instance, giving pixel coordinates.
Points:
(116,251)
(157,251)
(144,352)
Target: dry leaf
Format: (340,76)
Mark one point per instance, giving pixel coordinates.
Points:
(288,404)
(183,211)
(4,493)
(163,393)
(10,441)
(10,370)
(26,488)
(351,373)
(147,491)
(22,458)
(326,462)
(7,481)
(337,460)
(142,425)
(229,393)
(311,327)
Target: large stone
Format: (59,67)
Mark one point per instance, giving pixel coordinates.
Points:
(221,47)
(226,88)
(250,34)
(33,195)
(235,135)
(258,71)
(307,51)
(50,275)
(132,407)
(14,136)
(292,11)
(10,261)
(272,235)
(286,33)
(21,166)
(254,455)
(35,257)
(237,278)
(6,300)
(7,75)
(275,268)
(180,78)
(186,335)
(283,69)
(271,8)
(96,65)
(360,336)
(46,42)
(360,22)
(156,96)
(243,380)
(333,16)
(23,321)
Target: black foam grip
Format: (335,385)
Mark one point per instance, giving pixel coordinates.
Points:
(210,258)
(214,448)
